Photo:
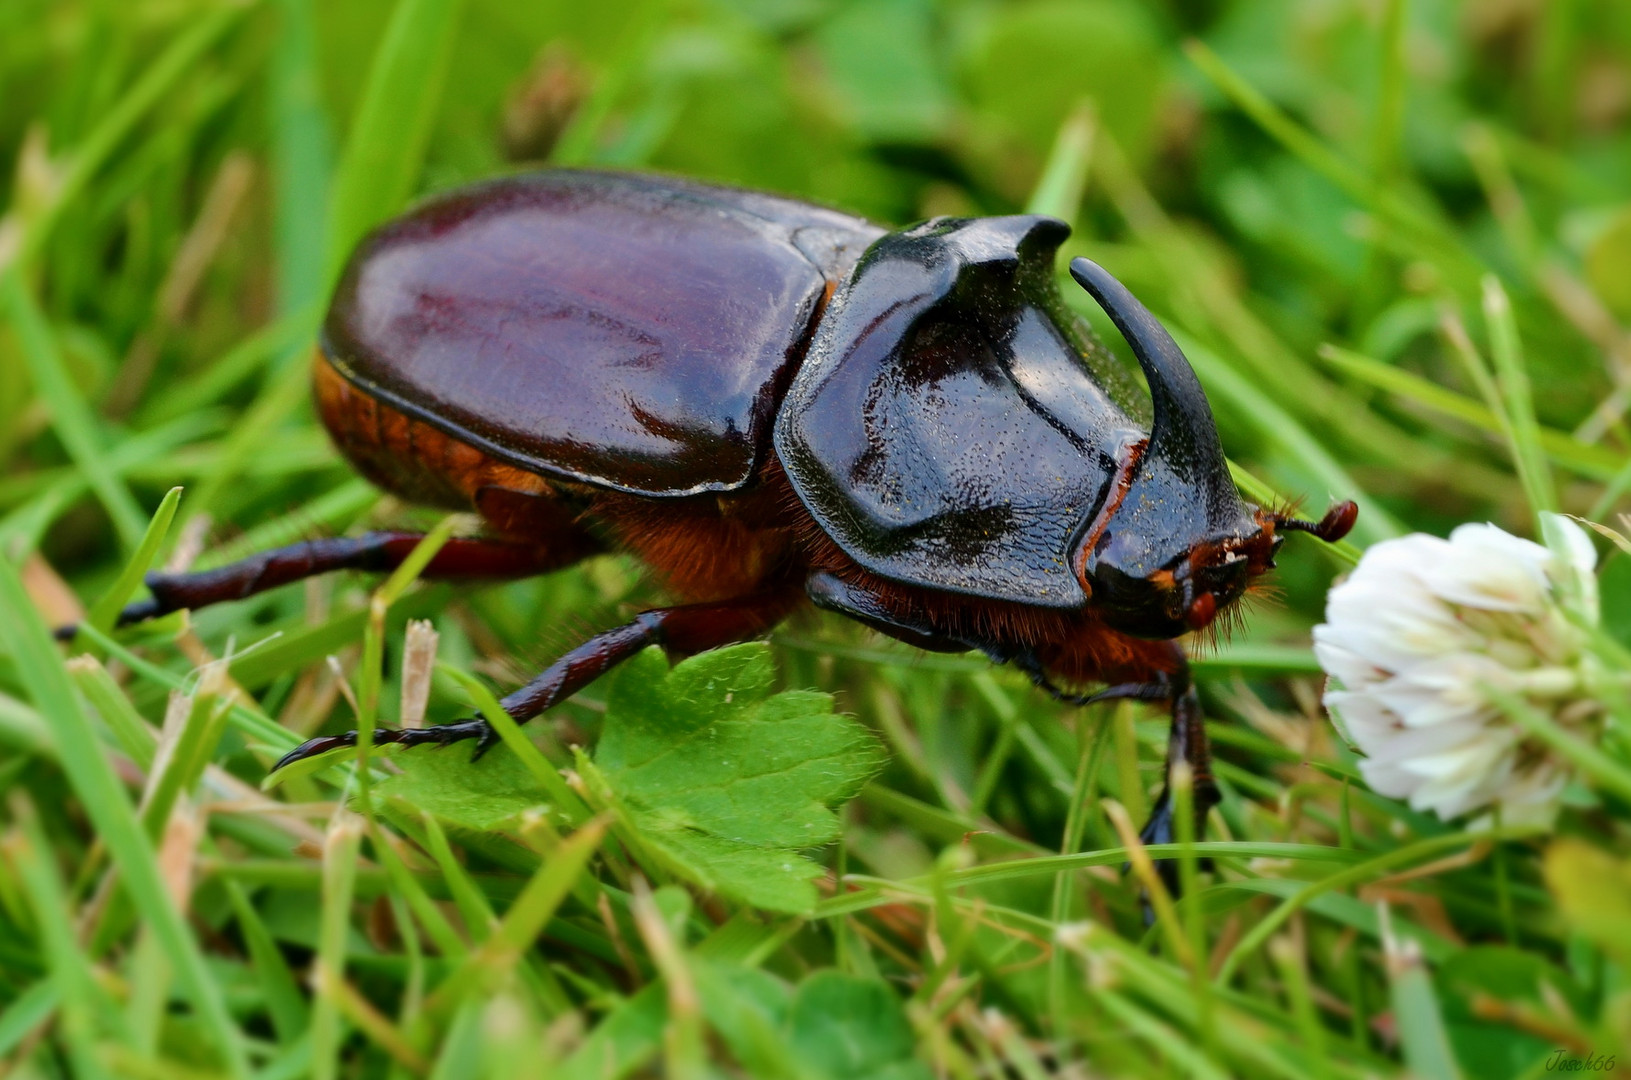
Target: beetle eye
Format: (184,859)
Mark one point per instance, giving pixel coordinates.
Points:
(1201,611)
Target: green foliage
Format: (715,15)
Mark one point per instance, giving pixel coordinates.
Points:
(842,1026)
(489,795)
(724,782)
(1391,234)
(717,779)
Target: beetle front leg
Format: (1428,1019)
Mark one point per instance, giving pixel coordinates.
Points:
(1187,743)
(679,630)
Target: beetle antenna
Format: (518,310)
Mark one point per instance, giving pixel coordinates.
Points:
(1330,528)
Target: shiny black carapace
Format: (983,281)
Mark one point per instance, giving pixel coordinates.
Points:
(767,402)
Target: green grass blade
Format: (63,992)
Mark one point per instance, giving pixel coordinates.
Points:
(284,1002)
(301,160)
(1513,382)
(111,130)
(1162,1038)
(100,791)
(436,925)
(334,510)
(49,490)
(548,777)
(1617,486)
(1049,865)
(1252,657)
(1387,135)
(106,610)
(251,434)
(87,1014)
(308,645)
(238,365)
(526,917)
(1587,460)
(1058,191)
(73,419)
(1385,203)
(1422,1034)
(477,913)
(191,751)
(1279,428)
(27,1011)
(257,725)
(130,730)
(1294,975)
(1260,933)
(340,850)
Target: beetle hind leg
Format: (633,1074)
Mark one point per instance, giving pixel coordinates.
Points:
(473,558)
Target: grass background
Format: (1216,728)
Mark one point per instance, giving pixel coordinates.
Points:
(1393,237)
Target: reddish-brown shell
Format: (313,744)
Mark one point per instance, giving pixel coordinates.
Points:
(632,332)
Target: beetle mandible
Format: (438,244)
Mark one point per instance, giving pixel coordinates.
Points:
(769,402)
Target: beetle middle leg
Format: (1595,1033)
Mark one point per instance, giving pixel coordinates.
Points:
(680,631)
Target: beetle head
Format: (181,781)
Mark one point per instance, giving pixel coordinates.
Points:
(1176,544)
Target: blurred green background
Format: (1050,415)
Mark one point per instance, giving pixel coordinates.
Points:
(1364,220)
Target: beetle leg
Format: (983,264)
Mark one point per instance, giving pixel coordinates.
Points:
(679,630)
(834,594)
(1158,689)
(476,557)
(1187,743)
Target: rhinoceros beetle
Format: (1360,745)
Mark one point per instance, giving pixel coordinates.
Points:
(769,402)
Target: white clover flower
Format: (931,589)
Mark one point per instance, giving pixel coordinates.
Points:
(1417,632)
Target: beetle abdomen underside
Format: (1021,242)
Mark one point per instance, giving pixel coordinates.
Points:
(626,331)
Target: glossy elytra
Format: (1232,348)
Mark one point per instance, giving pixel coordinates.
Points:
(769,402)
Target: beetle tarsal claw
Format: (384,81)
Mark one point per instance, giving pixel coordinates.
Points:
(313,747)
(484,741)
(438,736)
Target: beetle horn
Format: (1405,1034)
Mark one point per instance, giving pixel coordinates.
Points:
(1183,479)
(1184,435)
(1184,432)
